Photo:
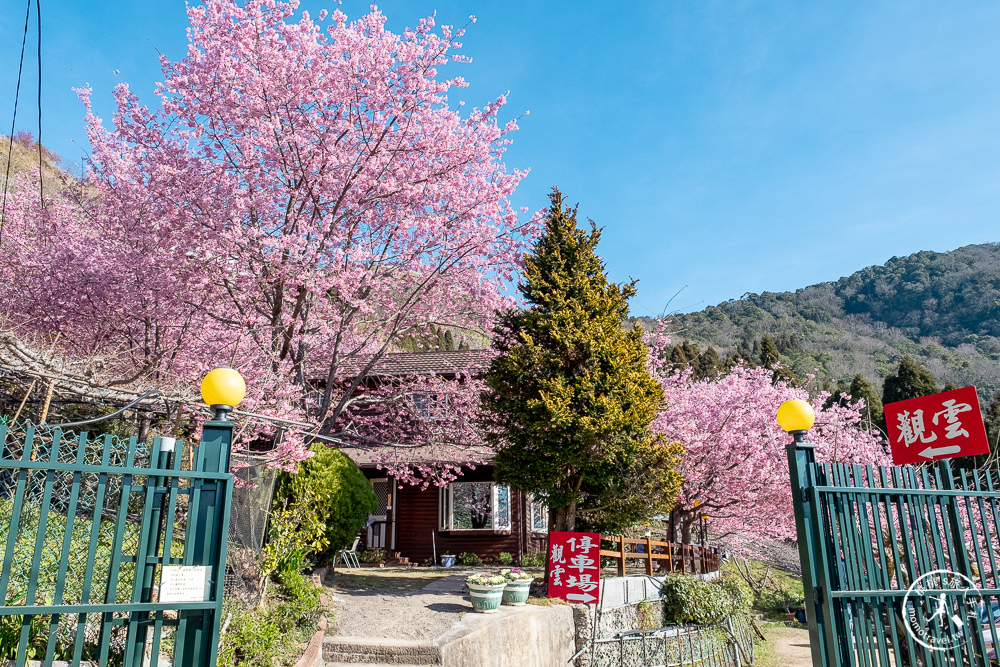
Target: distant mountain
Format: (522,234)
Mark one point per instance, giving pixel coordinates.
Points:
(941,309)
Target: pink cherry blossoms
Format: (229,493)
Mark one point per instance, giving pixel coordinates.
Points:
(302,197)
(735,466)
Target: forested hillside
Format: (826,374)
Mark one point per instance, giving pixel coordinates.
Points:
(941,309)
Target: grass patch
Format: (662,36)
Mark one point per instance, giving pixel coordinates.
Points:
(764,655)
(546,602)
(275,632)
(776,592)
(410,578)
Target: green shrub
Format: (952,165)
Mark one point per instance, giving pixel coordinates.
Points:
(691,600)
(337,490)
(372,556)
(251,639)
(469,558)
(504,558)
(647,617)
(740,595)
(294,532)
(258,635)
(534,560)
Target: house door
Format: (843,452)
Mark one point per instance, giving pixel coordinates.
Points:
(378,521)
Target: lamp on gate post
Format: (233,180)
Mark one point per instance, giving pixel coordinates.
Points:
(197,635)
(223,389)
(796,417)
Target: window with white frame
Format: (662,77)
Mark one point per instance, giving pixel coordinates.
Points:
(475,506)
(538,515)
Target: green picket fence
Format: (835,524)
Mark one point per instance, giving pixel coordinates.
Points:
(899,563)
(86,530)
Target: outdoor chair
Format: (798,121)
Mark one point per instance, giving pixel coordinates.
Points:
(348,555)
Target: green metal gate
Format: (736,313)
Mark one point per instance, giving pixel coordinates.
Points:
(88,529)
(899,564)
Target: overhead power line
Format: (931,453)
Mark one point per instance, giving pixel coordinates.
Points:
(17,92)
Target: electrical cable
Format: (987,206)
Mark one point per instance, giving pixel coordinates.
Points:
(10,147)
(38,19)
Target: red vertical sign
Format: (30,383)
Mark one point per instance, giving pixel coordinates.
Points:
(575,567)
(939,426)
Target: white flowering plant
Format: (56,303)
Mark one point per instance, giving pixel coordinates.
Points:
(516,574)
(485,579)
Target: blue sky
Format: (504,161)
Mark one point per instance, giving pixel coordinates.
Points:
(728,147)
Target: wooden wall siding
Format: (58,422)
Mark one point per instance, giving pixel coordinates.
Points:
(415,513)
(417,517)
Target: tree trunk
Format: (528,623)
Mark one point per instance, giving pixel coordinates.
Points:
(563,519)
(144,423)
(687,518)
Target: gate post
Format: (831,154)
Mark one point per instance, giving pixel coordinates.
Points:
(206,540)
(796,417)
(207,534)
(800,456)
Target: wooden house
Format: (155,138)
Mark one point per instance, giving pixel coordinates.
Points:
(472,514)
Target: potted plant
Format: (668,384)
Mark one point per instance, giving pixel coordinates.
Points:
(486,591)
(518,583)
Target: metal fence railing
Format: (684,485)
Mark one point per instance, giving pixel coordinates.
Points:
(89,530)
(727,644)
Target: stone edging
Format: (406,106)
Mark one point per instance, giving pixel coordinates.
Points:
(313,655)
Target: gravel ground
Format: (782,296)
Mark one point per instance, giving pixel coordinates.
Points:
(791,646)
(424,613)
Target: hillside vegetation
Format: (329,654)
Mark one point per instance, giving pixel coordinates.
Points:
(941,309)
(22,153)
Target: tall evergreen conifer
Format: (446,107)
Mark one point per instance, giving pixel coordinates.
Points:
(570,400)
(862,388)
(769,355)
(708,365)
(910,381)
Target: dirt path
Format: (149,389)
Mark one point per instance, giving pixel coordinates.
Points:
(425,610)
(791,646)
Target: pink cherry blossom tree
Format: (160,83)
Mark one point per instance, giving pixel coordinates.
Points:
(304,195)
(735,466)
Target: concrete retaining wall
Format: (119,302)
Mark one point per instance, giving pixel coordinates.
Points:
(527,636)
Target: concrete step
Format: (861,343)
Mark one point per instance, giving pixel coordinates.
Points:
(376,651)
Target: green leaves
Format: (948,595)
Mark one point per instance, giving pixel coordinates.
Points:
(910,381)
(690,600)
(570,401)
(332,486)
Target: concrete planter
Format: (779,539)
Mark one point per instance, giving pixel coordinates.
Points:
(515,593)
(486,599)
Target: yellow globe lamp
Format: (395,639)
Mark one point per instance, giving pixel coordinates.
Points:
(223,389)
(796,416)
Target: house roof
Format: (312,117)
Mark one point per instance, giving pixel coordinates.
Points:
(368,458)
(398,364)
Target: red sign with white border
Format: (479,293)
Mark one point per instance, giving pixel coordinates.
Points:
(939,426)
(574,567)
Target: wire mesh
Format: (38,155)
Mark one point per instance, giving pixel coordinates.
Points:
(248,519)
